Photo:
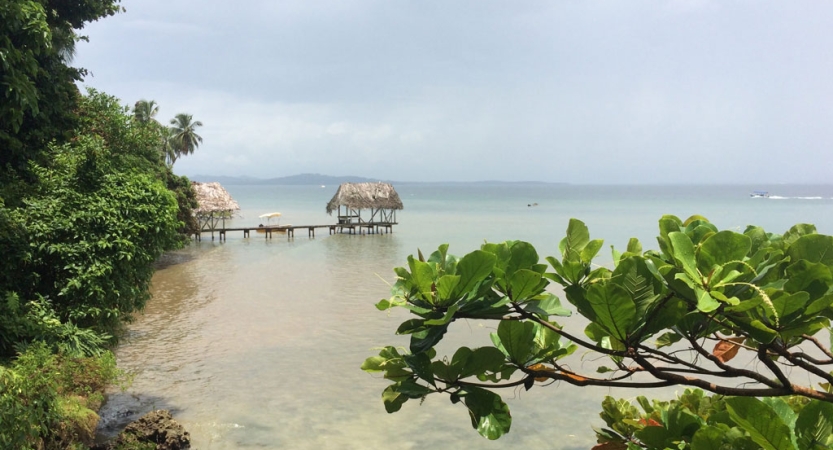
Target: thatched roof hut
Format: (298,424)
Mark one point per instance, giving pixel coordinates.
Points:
(214,203)
(380,198)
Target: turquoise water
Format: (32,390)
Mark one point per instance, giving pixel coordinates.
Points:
(257,343)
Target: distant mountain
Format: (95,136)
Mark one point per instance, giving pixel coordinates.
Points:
(318,179)
(302,179)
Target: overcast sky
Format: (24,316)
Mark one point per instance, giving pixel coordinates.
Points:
(564,91)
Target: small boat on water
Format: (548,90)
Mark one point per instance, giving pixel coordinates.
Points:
(277,227)
(759,194)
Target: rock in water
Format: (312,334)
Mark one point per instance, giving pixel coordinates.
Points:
(156,427)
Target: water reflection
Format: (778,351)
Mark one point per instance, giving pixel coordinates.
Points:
(151,349)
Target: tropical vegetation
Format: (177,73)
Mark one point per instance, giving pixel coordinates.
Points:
(177,140)
(183,136)
(87,205)
(744,316)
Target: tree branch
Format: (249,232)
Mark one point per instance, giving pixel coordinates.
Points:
(821,347)
(730,369)
(527,315)
(726,390)
(763,356)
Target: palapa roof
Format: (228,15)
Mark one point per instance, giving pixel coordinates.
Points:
(364,196)
(211,197)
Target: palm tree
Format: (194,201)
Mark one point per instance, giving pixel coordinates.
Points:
(63,41)
(184,138)
(168,145)
(145,111)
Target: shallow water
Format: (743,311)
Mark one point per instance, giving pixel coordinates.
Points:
(256,343)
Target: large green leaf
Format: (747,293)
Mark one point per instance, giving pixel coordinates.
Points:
(447,264)
(522,256)
(591,250)
(473,268)
(411,326)
(546,305)
(679,421)
(524,283)
(808,326)
(700,233)
(445,319)
(815,248)
(721,248)
(668,338)
(788,305)
(663,315)
(634,276)
(517,338)
(762,423)
(758,238)
(798,230)
(395,395)
(634,246)
(445,288)
(667,224)
(705,302)
(424,340)
(576,295)
(814,426)
(812,277)
(392,399)
(390,362)
(467,362)
(613,308)
(421,365)
(707,438)
(756,329)
(782,409)
(578,236)
(489,414)
(412,389)
(683,252)
(422,277)
(819,305)
(548,344)
(695,220)
(572,270)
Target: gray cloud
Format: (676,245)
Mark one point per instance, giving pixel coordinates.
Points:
(595,92)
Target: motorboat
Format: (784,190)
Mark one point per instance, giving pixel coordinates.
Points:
(759,194)
(272,227)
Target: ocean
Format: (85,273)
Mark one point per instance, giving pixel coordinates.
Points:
(257,343)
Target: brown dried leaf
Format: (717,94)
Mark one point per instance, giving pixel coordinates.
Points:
(728,348)
(649,423)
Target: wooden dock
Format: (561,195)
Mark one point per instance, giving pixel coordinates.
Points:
(289,230)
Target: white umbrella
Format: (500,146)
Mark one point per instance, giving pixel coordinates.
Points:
(269,216)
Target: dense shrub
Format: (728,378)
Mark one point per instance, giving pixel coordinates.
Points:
(696,421)
(47,400)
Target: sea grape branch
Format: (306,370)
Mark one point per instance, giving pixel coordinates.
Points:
(755,296)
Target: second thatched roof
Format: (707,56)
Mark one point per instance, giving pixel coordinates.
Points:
(365,196)
(211,197)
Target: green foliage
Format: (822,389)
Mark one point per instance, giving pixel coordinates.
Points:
(37,84)
(81,246)
(680,315)
(183,138)
(46,397)
(699,422)
(141,144)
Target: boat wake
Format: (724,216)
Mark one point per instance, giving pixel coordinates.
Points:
(778,197)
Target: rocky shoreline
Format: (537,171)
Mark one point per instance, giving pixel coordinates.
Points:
(156,427)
